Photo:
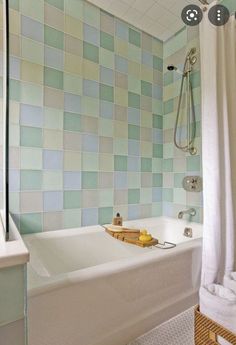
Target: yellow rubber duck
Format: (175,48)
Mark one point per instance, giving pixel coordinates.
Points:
(145,236)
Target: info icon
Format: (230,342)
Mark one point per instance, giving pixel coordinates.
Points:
(192,15)
(219,15)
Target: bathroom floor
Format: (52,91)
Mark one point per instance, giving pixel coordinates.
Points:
(177,331)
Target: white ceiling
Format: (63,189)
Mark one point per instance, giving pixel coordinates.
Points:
(160,18)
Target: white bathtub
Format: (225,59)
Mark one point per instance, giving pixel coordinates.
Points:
(87,288)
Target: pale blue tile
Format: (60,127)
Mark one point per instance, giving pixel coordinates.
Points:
(147,59)
(32,29)
(157,136)
(54,58)
(156,194)
(14,67)
(91,35)
(120,180)
(89,216)
(90,143)
(106,76)
(72,180)
(133,147)
(121,30)
(134,163)
(52,201)
(121,64)
(14,180)
(52,160)
(133,212)
(72,103)
(134,116)
(31,115)
(106,109)
(168,209)
(90,88)
(157,92)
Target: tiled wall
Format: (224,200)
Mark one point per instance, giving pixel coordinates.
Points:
(86,116)
(178,164)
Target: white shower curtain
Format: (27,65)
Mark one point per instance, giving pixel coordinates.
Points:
(218,79)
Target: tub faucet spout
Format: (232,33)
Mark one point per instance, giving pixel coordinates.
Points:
(190,211)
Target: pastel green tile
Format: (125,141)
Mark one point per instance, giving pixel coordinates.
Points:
(179,196)
(72,218)
(178,180)
(145,195)
(89,180)
(52,180)
(134,180)
(15,90)
(14,4)
(105,128)
(157,121)
(106,41)
(157,209)
(168,165)
(157,63)
(74,8)
(193,163)
(72,199)
(91,14)
(157,150)
(146,164)
(120,163)
(157,106)
(196,79)
(230,4)
(133,196)
(32,51)
(30,223)
(157,180)
(31,137)
(146,88)
(133,132)
(53,37)
(134,84)
(107,58)
(90,106)
(90,161)
(106,93)
(133,100)
(134,53)
(120,146)
(72,122)
(90,52)
(73,84)
(168,78)
(14,202)
(168,106)
(105,215)
(31,158)
(56,3)
(31,180)
(32,94)
(106,197)
(53,78)
(134,37)
(33,9)
(53,118)
(167,194)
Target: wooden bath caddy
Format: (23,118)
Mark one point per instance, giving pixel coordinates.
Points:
(129,236)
